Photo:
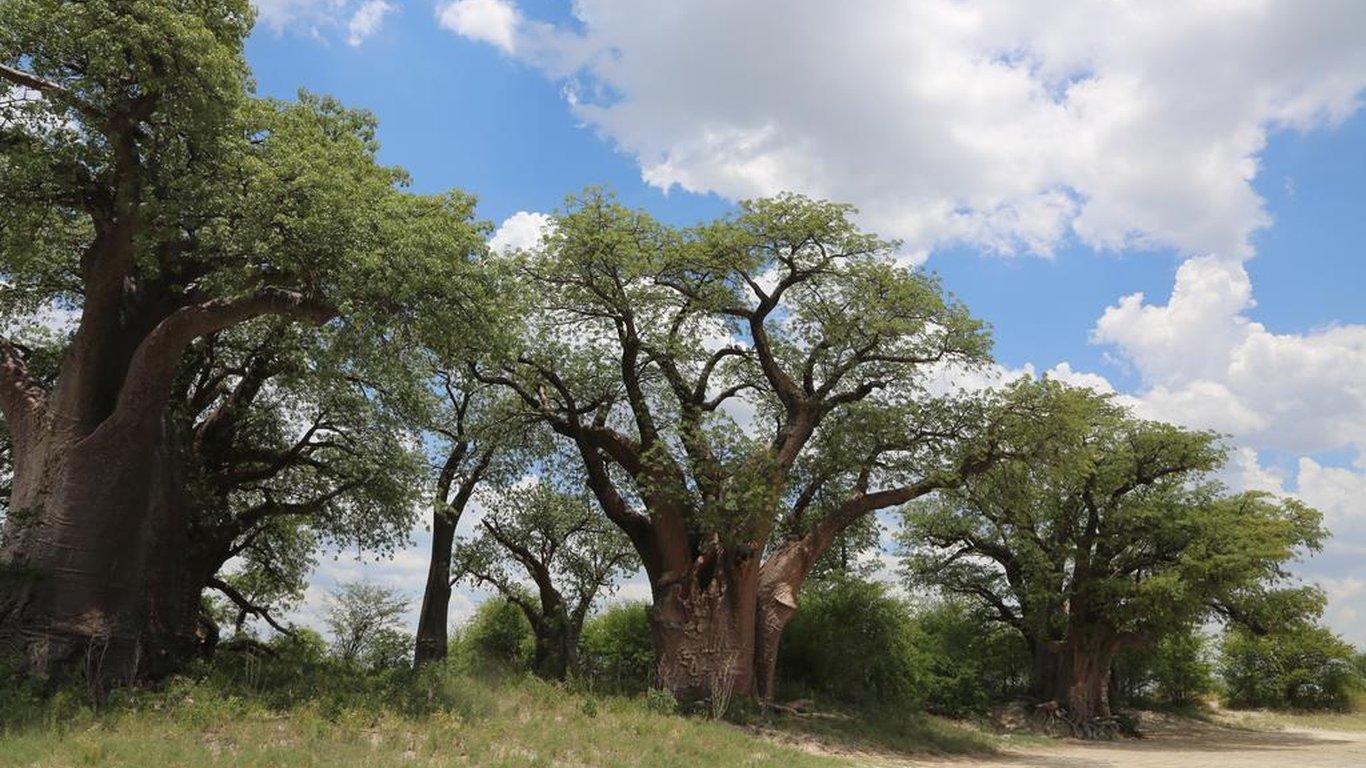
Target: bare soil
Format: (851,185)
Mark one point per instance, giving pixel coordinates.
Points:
(1175,743)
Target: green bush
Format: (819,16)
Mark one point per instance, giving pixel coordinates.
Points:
(1301,668)
(1178,670)
(851,641)
(498,636)
(972,661)
(616,651)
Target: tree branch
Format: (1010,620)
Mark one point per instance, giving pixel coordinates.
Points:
(245,607)
(148,382)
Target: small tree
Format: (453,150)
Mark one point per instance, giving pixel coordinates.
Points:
(476,439)
(1108,535)
(361,618)
(568,551)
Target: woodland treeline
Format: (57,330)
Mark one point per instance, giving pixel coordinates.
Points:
(233,339)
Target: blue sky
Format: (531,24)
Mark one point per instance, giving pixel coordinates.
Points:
(1046,165)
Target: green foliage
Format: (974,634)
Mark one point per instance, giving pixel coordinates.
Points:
(1303,667)
(661,702)
(616,651)
(1177,671)
(363,620)
(1097,524)
(972,662)
(852,642)
(497,637)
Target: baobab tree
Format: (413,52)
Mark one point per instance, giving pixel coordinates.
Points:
(151,196)
(739,394)
(1111,534)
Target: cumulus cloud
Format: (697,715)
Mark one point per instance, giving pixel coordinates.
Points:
(521,231)
(1008,126)
(1208,364)
(324,20)
(490,21)
(366,21)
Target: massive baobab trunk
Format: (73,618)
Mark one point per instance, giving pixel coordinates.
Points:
(1075,672)
(97,544)
(704,632)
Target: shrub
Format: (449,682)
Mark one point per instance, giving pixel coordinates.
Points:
(1177,670)
(1304,668)
(616,650)
(972,661)
(498,636)
(853,642)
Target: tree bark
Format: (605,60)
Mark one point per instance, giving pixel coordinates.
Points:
(703,627)
(98,542)
(1075,672)
(556,652)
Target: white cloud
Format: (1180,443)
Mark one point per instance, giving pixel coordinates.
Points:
(324,20)
(1005,125)
(521,231)
(366,21)
(489,21)
(1208,364)
(1205,363)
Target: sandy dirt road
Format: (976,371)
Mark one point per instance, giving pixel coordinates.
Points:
(1186,745)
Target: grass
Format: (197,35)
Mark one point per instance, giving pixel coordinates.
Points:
(1351,720)
(325,716)
(880,730)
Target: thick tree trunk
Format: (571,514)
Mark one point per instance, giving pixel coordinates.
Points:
(98,548)
(780,581)
(1076,673)
(703,627)
(432,641)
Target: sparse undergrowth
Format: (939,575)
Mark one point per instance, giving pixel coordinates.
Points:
(1352,720)
(258,715)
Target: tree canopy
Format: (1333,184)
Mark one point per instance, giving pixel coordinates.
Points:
(1111,532)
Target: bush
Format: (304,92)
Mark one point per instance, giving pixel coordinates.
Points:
(616,651)
(1301,668)
(972,661)
(498,636)
(851,641)
(1178,670)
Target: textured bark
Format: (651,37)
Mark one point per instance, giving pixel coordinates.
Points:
(98,542)
(704,634)
(780,581)
(1076,673)
(556,652)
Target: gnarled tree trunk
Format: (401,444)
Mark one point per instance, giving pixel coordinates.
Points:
(556,652)
(1075,672)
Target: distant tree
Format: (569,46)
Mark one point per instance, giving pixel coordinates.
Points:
(1109,534)
(152,198)
(566,549)
(362,618)
(740,394)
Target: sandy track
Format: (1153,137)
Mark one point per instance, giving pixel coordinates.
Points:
(1183,746)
